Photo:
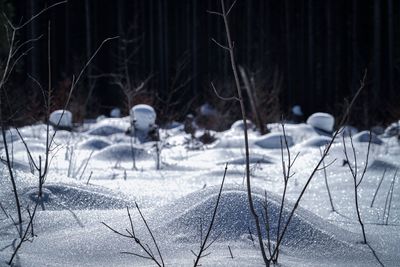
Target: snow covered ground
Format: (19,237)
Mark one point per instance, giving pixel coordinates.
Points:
(92,180)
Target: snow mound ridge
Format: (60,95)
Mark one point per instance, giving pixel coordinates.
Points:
(274,141)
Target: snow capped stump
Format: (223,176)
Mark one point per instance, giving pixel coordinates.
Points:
(364,136)
(143,117)
(322,121)
(61,119)
(274,141)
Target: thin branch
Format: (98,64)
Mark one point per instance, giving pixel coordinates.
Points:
(215,13)
(37,15)
(229,9)
(223,98)
(377,189)
(151,234)
(220,45)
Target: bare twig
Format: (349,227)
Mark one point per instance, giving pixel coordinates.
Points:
(327,184)
(151,234)
(221,97)
(388,201)
(356,180)
(230,252)
(24,236)
(204,246)
(377,189)
(90,176)
(132,235)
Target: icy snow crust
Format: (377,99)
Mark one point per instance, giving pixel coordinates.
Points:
(176,198)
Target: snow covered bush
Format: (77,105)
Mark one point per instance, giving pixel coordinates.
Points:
(61,119)
(322,121)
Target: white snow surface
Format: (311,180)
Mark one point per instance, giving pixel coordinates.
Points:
(94,175)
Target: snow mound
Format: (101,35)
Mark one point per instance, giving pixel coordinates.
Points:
(274,140)
(239,125)
(74,197)
(33,146)
(105,130)
(121,152)
(254,159)
(381,165)
(18,165)
(347,130)
(322,121)
(94,143)
(316,141)
(364,136)
(143,116)
(181,220)
(226,141)
(61,118)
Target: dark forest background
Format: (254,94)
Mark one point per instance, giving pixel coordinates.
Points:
(301,52)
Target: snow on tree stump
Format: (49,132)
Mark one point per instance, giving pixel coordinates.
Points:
(143,121)
(322,121)
(61,119)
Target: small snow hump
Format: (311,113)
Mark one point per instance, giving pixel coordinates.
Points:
(61,119)
(322,121)
(274,141)
(364,137)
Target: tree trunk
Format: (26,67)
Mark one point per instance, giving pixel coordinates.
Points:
(390,47)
